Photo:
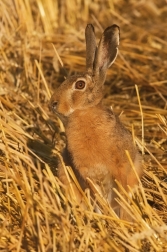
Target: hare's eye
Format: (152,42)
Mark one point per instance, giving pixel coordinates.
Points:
(80,84)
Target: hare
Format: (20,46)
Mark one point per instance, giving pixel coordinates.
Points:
(96,139)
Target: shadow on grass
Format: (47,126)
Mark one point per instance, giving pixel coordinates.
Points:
(45,153)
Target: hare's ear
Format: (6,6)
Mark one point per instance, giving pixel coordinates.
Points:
(90,47)
(107,50)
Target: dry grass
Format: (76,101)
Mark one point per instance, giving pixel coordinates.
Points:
(34,213)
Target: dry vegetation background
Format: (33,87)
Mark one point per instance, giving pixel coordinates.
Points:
(34,213)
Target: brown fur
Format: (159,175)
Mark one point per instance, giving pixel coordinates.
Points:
(96,139)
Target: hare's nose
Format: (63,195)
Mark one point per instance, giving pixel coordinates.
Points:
(53,105)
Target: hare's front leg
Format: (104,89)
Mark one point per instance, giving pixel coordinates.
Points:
(67,181)
(70,186)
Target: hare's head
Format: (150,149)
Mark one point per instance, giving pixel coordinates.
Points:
(85,90)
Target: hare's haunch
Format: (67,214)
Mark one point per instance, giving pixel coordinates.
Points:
(96,139)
